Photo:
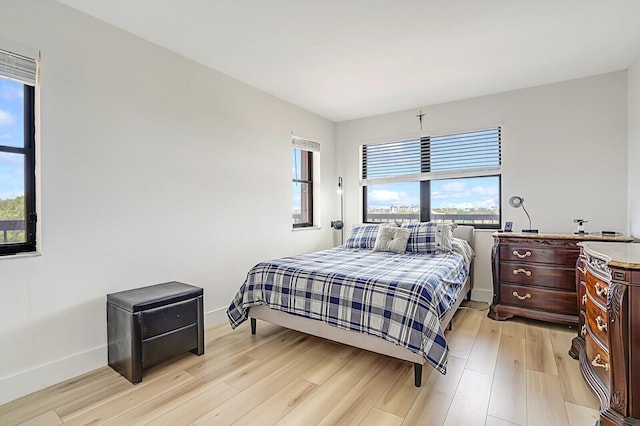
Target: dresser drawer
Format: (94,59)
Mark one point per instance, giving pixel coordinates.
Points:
(598,321)
(562,302)
(597,289)
(544,276)
(598,359)
(582,323)
(170,317)
(526,254)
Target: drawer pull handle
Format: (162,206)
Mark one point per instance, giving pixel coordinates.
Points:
(521,256)
(601,324)
(597,362)
(583,330)
(582,271)
(524,271)
(584,299)
(601,290)
(525,297)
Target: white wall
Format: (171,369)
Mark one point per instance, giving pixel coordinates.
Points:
(153,168)
(564,149)
(634,148)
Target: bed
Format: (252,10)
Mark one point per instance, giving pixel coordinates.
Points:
(392,303)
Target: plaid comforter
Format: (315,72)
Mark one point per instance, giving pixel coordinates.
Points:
(398,297)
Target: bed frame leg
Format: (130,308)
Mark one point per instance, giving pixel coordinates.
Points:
(253,325)
(450,325)
(417,374)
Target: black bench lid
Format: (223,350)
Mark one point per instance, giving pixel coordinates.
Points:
(143,298)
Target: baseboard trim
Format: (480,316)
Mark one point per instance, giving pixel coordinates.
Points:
(25,382)
(43,376)
(216,317)
(482,295)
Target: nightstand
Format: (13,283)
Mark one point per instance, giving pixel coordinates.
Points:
(148,325)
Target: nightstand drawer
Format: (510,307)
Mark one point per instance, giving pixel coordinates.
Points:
(167,318)
(544,276)
(163,347)
(527,254)
(562,302)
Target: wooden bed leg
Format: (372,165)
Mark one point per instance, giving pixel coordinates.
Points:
(253,325)
(468,297)
(417,374)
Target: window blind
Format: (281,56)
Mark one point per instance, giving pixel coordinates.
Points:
(467,154)
(18,67)
(305,144)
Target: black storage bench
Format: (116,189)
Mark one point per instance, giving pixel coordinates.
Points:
(148,325)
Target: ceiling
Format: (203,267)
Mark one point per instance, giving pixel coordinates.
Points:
(346,59)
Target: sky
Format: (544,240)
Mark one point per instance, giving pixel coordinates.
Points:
(11,134)
(459,193)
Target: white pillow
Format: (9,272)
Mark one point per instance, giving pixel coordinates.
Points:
(392,238)
(463,248)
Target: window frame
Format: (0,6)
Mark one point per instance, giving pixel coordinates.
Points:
(307,179)
(28,150)
(425,184)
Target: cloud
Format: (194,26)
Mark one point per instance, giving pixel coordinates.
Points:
(10,92)
(383,195)
(475,204)
(485,190)
(454,186)
(9,158)
(6,119)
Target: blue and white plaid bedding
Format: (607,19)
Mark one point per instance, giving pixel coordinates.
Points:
(398,297)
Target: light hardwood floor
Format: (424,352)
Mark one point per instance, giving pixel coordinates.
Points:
(515,372)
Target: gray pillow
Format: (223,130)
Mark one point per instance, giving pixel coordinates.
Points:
(391,238)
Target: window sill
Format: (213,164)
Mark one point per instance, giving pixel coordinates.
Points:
(20,255)
(307,228)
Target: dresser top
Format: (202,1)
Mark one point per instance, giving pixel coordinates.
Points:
(618,255)
(579,237)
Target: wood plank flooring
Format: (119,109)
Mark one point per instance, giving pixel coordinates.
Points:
(516,372)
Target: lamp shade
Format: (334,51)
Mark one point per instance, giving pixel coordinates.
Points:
(516,201)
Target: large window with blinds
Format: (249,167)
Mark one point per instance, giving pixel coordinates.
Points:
(451,178)
(17,154)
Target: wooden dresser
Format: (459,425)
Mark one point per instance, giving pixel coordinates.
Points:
(608,341)
(534,275)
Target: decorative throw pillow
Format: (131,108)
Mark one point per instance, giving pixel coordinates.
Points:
(392,238)
(363,236)
(430,237)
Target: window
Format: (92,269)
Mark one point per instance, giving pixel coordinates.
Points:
(17,154)
(302,159)
(453,178)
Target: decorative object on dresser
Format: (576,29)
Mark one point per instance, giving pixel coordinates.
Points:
(534,275)
(517,201)
(608,340)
